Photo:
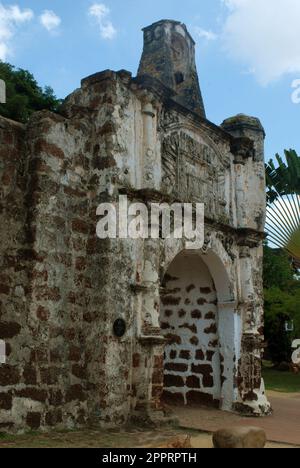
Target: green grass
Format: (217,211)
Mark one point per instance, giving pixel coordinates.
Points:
(93,438)
(283,382)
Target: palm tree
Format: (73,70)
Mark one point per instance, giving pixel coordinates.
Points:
(283,200)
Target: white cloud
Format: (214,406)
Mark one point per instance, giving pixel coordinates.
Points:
(50,20)
(264,35)
(204,34)
(101,12)
(10,18)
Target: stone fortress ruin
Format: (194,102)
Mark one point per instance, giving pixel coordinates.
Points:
(106,331)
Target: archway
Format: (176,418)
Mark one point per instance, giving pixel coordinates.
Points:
(189,321)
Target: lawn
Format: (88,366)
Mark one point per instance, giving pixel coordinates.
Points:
(284,382)
(94,438)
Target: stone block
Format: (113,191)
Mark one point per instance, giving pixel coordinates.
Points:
(240,437)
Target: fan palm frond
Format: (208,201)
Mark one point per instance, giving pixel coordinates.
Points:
(283,200)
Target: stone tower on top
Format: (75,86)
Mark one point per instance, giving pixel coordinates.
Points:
(169,56)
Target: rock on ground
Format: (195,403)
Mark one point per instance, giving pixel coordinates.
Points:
(240,437)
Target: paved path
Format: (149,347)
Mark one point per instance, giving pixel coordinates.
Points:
(282,427)
(204,441)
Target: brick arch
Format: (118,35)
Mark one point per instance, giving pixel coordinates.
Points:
(189,322)
(220,274)
(216,259)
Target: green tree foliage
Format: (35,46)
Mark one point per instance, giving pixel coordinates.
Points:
(285,178)
(278,269)
(282,303)
(277,314)
(282,289)
(283,190)
(23,95)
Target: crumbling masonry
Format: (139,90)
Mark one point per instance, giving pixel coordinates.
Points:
(194,319)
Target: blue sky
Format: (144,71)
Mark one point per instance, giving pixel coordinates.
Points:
(248,51)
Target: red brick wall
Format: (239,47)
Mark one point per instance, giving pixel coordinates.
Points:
(189,322)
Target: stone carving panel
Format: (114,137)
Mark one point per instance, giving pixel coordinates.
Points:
(192,171)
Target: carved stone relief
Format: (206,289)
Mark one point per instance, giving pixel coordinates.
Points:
(193,172)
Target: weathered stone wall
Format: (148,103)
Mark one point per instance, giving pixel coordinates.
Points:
(14,261)
(169,56)
(62,288)
(54,308)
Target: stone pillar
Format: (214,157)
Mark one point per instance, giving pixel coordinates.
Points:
(252,398)
(150,284)
(247,148)
(151,163)
(246,279)
(230,324)
(149,372)
(241,207)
